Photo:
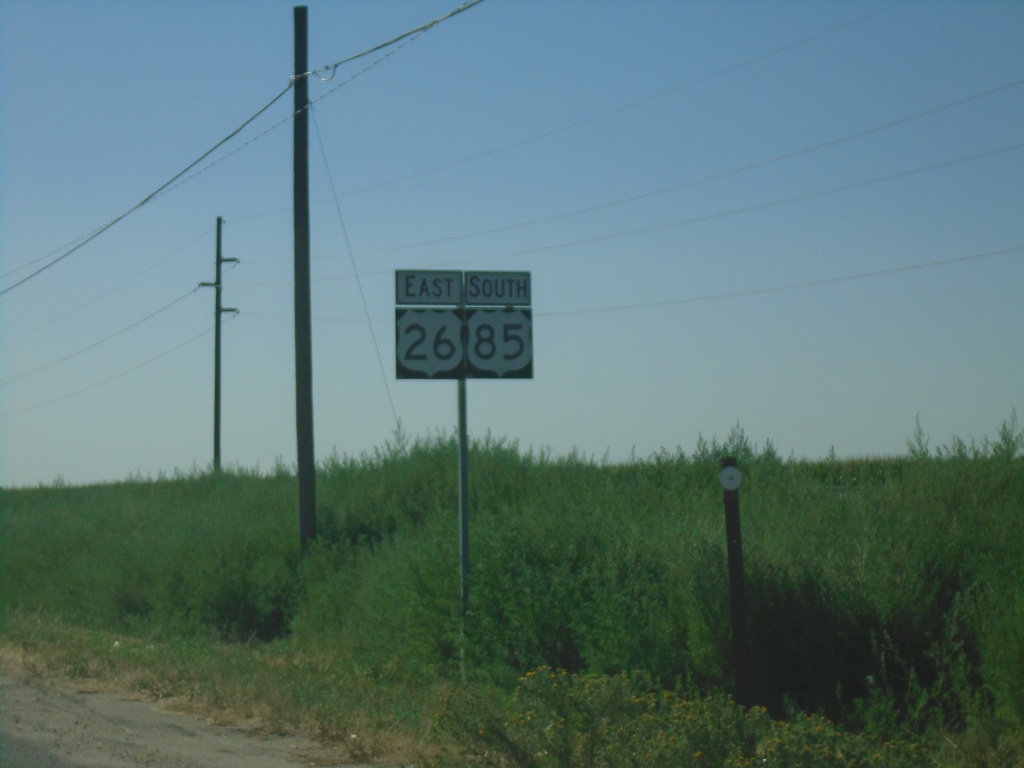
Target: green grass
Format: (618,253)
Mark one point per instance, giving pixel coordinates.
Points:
(885,602)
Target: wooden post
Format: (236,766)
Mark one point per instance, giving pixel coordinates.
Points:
(303,319)
(737,586)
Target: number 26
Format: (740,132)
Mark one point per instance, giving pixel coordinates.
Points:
(444,348)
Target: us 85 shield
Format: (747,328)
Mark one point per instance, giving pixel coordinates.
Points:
(499,343)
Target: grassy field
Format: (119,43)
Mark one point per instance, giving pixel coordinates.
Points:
(886,603)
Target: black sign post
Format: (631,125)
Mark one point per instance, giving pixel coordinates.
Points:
(731,479)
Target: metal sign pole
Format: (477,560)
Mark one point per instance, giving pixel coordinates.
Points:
(492,309)
(463,478)
(463,495)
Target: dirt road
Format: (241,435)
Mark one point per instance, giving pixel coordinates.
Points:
(55,724)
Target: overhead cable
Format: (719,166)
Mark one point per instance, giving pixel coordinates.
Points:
(662,190)
(680,222)
(643,100)
(788,287)
(168,184)
(110,290)
(701,218)
(29,263)
(287,119)
(280,122)
(109,379)
(355,271)
(713,177)
(717,296)
(52,363)
(746,209)
(334,67)
(96,233)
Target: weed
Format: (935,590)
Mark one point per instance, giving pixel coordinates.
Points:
(886,594)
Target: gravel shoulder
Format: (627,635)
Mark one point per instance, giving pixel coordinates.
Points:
(47,723)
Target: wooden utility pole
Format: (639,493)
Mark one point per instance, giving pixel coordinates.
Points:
(303,321)
(218,310)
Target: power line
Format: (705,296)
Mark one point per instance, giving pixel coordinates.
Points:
(704,217)
(644,100)
(713,177)
(674,187)
(268,316)
(363,71)
(807,196)
(283,121)
(731,295)
(788,287)
(680,222)
(110,378)
(419,30)
(51,364)
(621,108)
(411,35)
(170,184)
(29,263)
(96,233)
(745,209)
(355,271)
(620,201)
(111,290)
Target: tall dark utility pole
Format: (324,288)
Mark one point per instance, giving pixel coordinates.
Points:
(303,322)
(218,310)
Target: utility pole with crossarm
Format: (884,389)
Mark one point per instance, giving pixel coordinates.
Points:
(219,310)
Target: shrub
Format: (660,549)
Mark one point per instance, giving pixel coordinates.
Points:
(560,720)
(883,593)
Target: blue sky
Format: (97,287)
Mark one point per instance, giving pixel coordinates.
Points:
(802,217)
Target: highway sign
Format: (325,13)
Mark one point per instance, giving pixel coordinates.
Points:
(428,344)
(498,289)
(470,337)
(428,287)
(499,343)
